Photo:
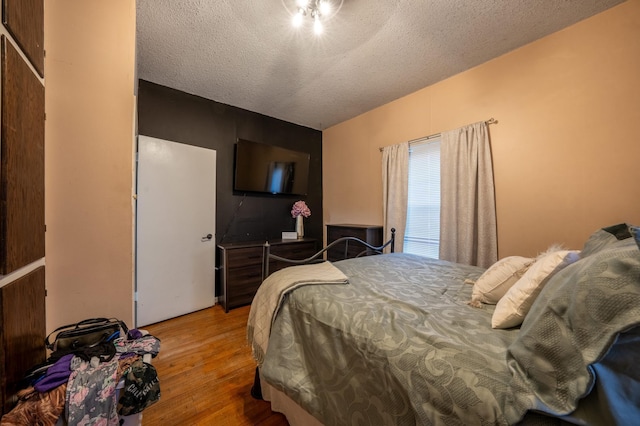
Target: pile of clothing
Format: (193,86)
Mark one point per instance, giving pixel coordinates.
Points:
(82,383)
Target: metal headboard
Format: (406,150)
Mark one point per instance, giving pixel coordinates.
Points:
(316,258)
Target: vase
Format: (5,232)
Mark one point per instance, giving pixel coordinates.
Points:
(299,226)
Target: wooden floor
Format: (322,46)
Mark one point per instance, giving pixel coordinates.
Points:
(206,372)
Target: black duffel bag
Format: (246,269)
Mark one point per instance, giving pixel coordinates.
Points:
(87,333)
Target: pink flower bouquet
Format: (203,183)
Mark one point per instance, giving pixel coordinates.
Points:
(300,208)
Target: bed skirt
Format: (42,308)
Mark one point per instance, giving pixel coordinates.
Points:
(298,416)
(281,403)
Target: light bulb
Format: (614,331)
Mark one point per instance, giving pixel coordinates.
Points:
(302,3)
(325,8)
(297,19)
(317,26)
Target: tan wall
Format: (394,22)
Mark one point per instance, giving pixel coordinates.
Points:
(89,75)
(565,149)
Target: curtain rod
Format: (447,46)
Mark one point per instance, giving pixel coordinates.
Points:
(437,135)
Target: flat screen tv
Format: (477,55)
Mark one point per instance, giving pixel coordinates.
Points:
(270,169)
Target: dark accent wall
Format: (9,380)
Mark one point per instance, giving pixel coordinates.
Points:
(173,115)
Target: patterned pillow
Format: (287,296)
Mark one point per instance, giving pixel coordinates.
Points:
(635,231)
(574,324)
(498,279)
(514,306)
(605,237)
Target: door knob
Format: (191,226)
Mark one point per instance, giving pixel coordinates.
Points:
(206,238)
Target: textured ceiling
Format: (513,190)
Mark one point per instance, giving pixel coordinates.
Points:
(245,53)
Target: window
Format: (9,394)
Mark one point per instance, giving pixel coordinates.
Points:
(422,234)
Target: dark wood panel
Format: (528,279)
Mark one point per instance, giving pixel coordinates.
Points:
(244,280)
(21,163)
(246,291)
(242,300)
(22,331)
(242,257)
(24,19)
(297,251)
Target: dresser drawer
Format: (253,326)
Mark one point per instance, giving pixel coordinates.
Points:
(241,267)
(241,257)
(335,233)
(240,300)
(294,250)
(243,282)
(243,277)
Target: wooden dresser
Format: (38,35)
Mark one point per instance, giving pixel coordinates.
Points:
(371,234)
(240,265)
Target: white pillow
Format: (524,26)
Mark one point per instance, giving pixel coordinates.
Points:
(498,279)
(515,304)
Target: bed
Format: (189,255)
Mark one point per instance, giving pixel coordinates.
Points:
(391,339)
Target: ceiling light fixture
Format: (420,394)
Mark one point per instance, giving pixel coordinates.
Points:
(318,10)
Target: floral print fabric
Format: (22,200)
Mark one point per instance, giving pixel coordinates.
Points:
(91,392)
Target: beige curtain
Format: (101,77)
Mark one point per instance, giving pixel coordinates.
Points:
(395,187)
(468,210)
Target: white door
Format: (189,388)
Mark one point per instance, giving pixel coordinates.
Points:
(175,241)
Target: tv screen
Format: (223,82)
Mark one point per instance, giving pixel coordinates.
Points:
(267,168)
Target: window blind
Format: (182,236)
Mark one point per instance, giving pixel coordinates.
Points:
(422,235)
